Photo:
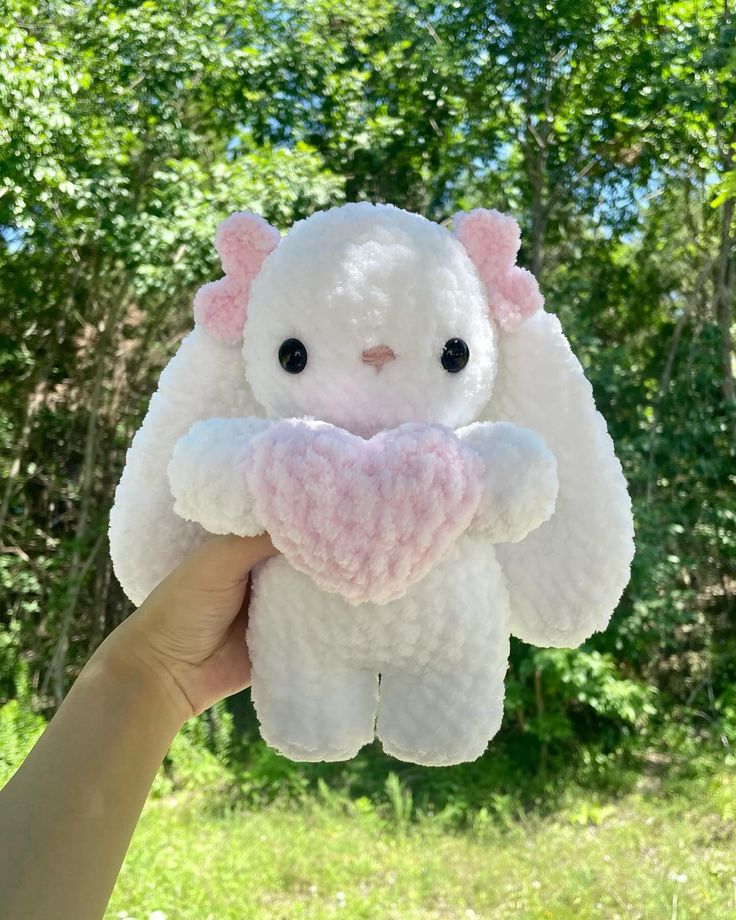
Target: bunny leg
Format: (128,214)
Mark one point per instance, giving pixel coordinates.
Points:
(310,703)
(444,715)
(444,702)
(320,712)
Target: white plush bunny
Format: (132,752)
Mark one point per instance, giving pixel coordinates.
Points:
(412,429)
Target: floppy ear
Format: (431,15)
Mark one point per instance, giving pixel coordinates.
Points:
(204,379)
(566,577)
(243,241)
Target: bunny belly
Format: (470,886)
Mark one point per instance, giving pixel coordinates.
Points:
(458,614)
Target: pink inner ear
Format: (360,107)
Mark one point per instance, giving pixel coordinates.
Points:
(491,238)
(492,241)
(243,241)
(221,307)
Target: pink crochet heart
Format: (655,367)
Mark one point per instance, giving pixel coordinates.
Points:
(363,518)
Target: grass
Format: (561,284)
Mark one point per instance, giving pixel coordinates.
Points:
(657,852)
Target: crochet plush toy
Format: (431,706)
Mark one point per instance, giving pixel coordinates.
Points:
(390,402)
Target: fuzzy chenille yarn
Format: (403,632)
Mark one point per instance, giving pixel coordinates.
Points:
(389,400)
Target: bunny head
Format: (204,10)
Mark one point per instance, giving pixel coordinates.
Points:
(367,316)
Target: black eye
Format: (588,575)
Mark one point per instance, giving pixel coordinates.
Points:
(455,355)
(293,356)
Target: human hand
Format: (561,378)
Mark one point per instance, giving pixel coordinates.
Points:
(189,633)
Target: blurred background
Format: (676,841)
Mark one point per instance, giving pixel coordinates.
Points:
(127,131)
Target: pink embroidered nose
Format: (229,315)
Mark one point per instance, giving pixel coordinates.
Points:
(378,356)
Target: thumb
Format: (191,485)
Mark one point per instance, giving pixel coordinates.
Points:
(226,561)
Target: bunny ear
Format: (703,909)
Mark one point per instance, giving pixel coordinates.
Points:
(204,379)
(243,241)
(492,241)
(566,577)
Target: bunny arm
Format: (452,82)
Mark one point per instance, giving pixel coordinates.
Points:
(520,480)
(207,475)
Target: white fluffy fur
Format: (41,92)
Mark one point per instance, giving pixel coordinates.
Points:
(343,281)
(147,537)
(566,577)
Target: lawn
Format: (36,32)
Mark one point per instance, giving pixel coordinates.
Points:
(658,852)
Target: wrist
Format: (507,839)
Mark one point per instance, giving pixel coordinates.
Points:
(123,663)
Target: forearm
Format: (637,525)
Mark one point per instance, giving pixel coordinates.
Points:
(67,816)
